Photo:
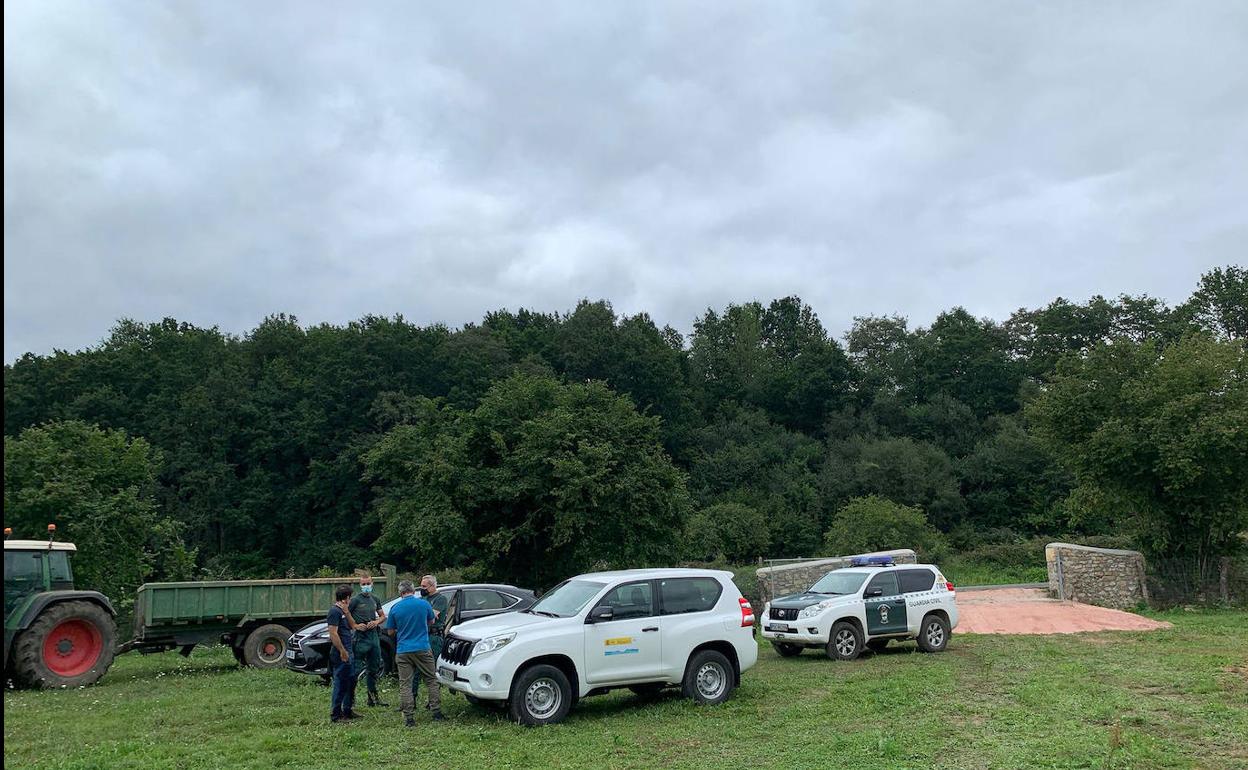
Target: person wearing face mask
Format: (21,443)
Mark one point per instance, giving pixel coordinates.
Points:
(366,611)
(439,604)
(429,590)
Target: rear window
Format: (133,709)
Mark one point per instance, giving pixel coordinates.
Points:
(58,569)
(917,580)
(476,599)
(692,594)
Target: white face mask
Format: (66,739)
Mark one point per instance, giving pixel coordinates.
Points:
(368,589)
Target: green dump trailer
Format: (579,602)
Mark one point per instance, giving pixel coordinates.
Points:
(253,617)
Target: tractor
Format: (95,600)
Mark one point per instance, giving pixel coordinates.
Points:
(54,636)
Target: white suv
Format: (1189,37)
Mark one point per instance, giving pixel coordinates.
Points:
(643,629)
(870,604)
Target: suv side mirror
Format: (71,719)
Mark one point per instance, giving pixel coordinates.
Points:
(601,614)
(875,592)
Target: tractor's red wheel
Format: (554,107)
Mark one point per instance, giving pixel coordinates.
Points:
(70,644)
(72,648)
(265,647)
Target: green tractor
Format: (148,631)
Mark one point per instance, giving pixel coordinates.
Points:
(54,636)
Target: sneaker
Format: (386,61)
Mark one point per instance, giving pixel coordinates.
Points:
(409,722)
(437,717)
(350,715)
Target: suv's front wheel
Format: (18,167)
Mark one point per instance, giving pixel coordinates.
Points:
(540,695)
(709,678)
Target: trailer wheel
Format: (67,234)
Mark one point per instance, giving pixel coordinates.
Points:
(70,644)
(265,647)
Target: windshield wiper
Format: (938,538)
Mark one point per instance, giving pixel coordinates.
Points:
(542,612)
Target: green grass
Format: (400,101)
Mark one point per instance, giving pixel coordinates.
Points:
(1173,698)
(966,572)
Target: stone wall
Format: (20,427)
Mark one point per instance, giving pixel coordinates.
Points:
(1104,576)
(792,578)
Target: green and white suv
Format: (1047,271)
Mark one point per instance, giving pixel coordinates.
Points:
(865,605)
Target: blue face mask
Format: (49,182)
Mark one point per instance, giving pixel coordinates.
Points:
(368,589)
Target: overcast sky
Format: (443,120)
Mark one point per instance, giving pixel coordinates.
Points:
(221,161)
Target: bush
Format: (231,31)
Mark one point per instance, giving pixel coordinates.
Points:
(875,524)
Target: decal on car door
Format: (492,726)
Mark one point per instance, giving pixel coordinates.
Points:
(622,645)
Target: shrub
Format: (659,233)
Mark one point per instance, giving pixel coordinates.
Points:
(875,524)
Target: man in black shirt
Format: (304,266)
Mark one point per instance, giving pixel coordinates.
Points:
(341,665)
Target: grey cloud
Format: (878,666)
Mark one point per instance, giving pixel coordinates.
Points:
(217,162)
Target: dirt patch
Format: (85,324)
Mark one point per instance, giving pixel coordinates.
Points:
(1241,671)
(1031,611)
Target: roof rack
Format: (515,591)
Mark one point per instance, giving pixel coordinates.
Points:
(872,561)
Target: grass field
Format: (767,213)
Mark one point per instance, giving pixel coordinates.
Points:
(1174,698)
(966,572)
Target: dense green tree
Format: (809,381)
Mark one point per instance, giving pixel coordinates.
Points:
(881,349)
(777,358)
(968,359)
(97,486)
(742,457)
(1013,481)
(1157,437)
(1220,304)
(727,531)
(1044,335)
(903,470)
(540,480)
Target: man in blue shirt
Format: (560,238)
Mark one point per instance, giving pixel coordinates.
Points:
(409,621)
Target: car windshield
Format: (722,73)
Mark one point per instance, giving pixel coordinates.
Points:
(567,598)
(839,582)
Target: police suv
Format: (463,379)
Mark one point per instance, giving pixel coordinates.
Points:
(868,604)
(645,629)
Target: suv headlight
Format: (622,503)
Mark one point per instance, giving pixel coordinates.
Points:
(815,609)
(490,644)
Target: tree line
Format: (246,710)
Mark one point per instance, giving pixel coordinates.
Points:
(533,445)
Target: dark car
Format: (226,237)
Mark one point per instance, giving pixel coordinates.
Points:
(307,651)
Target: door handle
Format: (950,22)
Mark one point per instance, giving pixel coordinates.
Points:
(899,601)
(651,628)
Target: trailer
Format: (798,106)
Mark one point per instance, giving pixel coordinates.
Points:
(254,618)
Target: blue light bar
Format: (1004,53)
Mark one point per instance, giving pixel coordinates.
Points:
(872,561)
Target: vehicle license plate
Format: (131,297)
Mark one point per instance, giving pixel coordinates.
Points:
(780,629)
(290,654)
(446,673)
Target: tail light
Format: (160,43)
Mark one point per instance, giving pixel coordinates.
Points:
(949,587)
(747,613)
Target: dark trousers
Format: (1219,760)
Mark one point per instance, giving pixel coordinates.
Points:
(342,699)
(368,658)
